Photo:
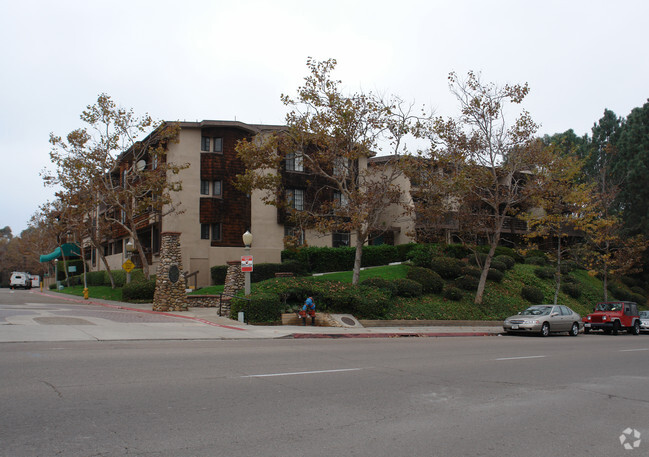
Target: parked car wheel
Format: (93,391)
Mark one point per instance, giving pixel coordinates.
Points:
(545,330)
(574,330)
(635,330)
(616,327)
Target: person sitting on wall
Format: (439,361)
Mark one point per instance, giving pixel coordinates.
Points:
(308,308)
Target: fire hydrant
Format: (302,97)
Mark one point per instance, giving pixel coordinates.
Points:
(85,293)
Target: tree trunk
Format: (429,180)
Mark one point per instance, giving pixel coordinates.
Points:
(485,271)
(357,258)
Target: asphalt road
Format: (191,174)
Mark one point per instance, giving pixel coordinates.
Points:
(481,396)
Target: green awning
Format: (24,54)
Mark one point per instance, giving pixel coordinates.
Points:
(69,250)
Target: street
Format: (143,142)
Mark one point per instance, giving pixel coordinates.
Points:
(478,396)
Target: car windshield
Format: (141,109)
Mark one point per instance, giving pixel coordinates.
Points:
(537,311)
(609,307)
(644,314)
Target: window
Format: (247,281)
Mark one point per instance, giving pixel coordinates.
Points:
(211,231)
(205,231)
(216,188)
(295,199)
(340,239)
(216,231)
(119,247)
(205,144)
(295,233)
(205,187)
(215,143)
(218,145)
(294,161)
(340,199)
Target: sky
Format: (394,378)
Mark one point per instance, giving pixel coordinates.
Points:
(231,60)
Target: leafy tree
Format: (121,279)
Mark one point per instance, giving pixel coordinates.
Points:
(631,167)
(479,164)
(562,207)
(129,175)
(331,135)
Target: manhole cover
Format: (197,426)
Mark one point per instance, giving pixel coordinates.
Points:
(347,321)
(61,321)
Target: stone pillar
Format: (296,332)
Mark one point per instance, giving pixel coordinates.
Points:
(170,284)
(234,278)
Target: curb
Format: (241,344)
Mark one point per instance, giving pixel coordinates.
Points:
(387,335)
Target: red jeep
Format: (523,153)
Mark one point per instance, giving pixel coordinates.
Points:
(613,316)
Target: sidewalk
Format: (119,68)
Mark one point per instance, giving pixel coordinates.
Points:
(232,329)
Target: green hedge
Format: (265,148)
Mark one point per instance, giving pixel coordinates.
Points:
(574,290)
(544,272)
(453,293)
(408,288)
(495,275)
(138,290)
(261,271)
(362,301)
(458,251)
(325,260)
(447,267)
(382,284)
(262,307)
(468,283)
(431,282)
(532,294)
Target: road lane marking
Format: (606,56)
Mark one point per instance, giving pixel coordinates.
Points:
(520,358)
(299,373)
(634,350)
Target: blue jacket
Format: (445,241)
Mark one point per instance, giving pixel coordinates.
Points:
(308,304)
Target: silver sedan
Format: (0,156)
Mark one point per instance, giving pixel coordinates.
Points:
(544,319)
(644,321)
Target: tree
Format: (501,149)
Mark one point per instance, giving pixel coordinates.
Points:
(489,164)
(562,207)
(130,176)
(330,136)
(631,168)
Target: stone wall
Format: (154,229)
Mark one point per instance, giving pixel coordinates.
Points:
(171,284)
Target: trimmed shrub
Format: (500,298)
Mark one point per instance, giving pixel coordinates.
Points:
(639,299)
(505,259)
(452,293)
(567,266)
(536,261)
(421,255)
(498,265)
(382,254)
(639,290)
(97,278)
(571,289)
(495,275)
(403,251)
(218,273)
(262,307)
(430,281)
(468,283)
(382,284)
(569,279)
(535,253)
(362,302)
(447,267)
(138,291)
(620,292)
(629,281)
(53,286)
(457,251)
(532,294)
(478,259)
(469,270)
(544,273)
(408,288)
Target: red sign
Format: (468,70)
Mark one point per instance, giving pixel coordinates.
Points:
(246,263)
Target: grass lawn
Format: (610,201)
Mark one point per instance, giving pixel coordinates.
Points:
(210,290)
(385,272)
(101,292)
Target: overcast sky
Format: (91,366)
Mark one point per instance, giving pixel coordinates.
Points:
(195,60)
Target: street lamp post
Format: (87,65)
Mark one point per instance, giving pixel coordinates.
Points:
(56,273)
(247,241)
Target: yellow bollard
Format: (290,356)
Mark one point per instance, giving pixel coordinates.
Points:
(85,293)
